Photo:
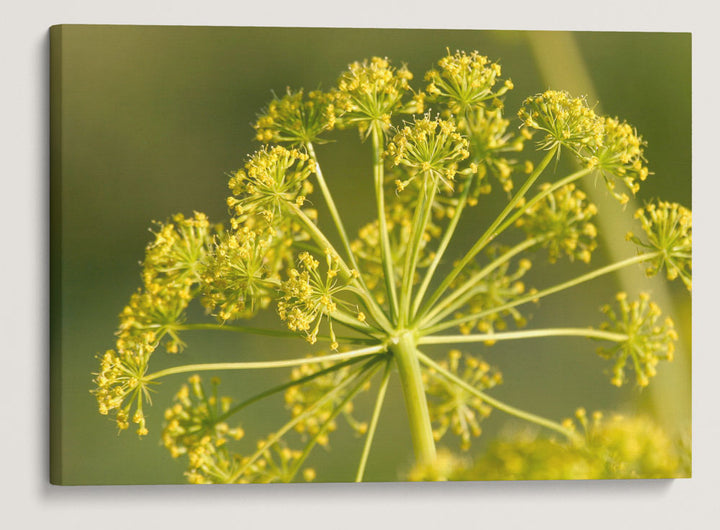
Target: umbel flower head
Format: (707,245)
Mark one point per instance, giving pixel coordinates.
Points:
(177,254)
(428,148)
(273,177)
(454,408)
(491,147)
(620,156)
(296,118)
(239,280)
(196,418)
(195,426)
(308,296)
(566,122)
(649,338)
(668,227)
(174,263)
(563,222)
(370,92)
(465,81)
(121,383)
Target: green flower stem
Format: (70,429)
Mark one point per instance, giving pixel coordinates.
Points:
(373,424)
(352,322)
(331,205)
(279,388)
(371,350)
(492,230)
(336,411)
(239,329)
(419,223)
(447,236)
(536,296)
(338,221)
(324,243)
(499,405)
(339,315)
(528,334)
(462,294)
(266,332)
(379,174)
(406,357)
(319,238)
(300,417)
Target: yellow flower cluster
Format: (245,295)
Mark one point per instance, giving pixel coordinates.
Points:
(239,280)
(121,383)
(195,426)
(172,268)
(668,227)
(605,143)
(308,296)
(159,313)
(464,82)
(621,155)
(430,148)
(370,92)
(197,418)
(296,119)
(616,447)
(649,339)
(490,148)
(273,177)
(454,408)
(562,220)
(177,255)
(174,264)
(566,121)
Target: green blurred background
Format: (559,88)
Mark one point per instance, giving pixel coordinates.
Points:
(148,121)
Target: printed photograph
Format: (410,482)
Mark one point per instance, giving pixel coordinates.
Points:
(326,255)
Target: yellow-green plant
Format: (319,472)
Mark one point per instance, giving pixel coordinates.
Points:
(376,300)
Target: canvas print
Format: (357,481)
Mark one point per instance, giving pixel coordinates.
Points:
(360,255)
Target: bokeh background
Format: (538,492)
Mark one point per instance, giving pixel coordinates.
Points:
(148,121)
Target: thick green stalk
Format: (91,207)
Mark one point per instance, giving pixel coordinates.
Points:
(536,296)
(406,357)
(492,230)
(385,250)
